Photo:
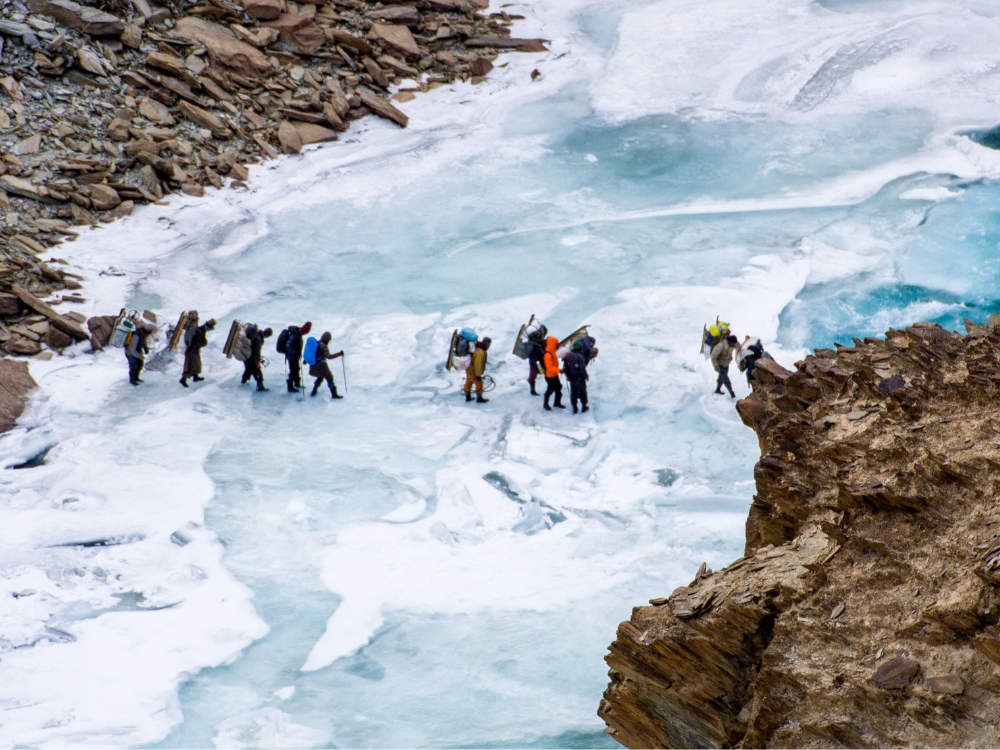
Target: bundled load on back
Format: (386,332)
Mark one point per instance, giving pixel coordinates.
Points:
(463,344)
(530,337)
(751,351)
(125,325)
(239,340)
(711,335)
(582,341)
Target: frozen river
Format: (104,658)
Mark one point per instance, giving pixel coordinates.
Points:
(403,569)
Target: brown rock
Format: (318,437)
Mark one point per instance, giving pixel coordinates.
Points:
(131,36)
(330,113)
(18,186)
(193,188)
(104,197)
(16,385)
(288,137)
(125,209)
(340,36)
(949,684)
(399,67)
(377,74)
(101,327)
(21,346)
(118,130)
(383,108)
(404,14)
(153,111)
(499,42)
(205,119)
(896,673)
(239,172)
(213,177)
(29,145)
(196,64)
(403,96)
(9,304)
(397,37)
(337,98)
(299,31)
(225,162)
(224,49)
(263,10)
(82,216)
(89,61)
(83,18)
(56,339)
(480,66)
(168,63)
(310,133)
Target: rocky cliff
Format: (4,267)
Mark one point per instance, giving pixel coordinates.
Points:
(16,384)
(865,609)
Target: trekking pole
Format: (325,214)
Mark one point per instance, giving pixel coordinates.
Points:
(343,368)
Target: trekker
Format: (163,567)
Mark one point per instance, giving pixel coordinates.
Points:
(290,344)
(251,366)
(321,370)
(196,338)
(754,353)
(575,367)
(553,385)
(716,333)
(136,350)
(475,371)
(722,355)
(536,353)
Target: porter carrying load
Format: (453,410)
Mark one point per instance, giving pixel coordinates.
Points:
(463,344)
(175,337)
(239,341)
(711,335)
(567,344)
(531,332)
(125,325)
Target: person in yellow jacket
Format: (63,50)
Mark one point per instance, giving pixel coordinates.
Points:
(474,372)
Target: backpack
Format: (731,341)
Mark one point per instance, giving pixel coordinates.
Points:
(282,343)
(310,353)
(189,335)
(251,331)
(462,347)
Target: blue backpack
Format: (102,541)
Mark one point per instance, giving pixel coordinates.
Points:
(309,355)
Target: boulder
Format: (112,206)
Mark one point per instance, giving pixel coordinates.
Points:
(224,49)
(101,327)
(383,108)
(288,137)
(22,346)
(310,133)
(104,197)
(9,304)
(263,10)
(56,339)
(156,112)
(81,17)
(397,37)
(206,119)
(299,31)
(16,384)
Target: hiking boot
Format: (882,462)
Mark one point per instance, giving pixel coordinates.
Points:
(575,410)
(197,378)
(585,408)
(558,403)
(533,391)
(468,395)
(183,381)
(333,392)
(481,400)
(291,387)
(262,388)
(315,390)
(548,408)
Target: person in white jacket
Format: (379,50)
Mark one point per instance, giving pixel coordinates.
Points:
(722,356)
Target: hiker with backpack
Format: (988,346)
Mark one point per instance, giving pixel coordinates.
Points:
(196,339)
(722,355)
(749,353)
(290,344)
(575,367)
(475,371)
(136,350)
(550,362)
(251,365)
(317,356)
(536,352)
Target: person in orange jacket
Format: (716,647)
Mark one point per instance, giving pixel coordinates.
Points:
(552,381)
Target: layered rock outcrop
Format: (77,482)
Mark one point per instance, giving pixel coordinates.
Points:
(16,384)
(865,609)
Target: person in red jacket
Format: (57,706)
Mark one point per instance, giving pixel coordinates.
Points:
(552,382)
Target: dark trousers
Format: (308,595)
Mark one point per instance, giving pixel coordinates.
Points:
(134,368)
(532,370)
(578,392)
(295,372)
(723,380)
(252,370)
(553,386)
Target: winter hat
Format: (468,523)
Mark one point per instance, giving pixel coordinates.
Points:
(306,327)
(326,337)
(486,342)
(266,332)
(210,323)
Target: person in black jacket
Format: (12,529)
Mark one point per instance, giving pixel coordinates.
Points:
(251,366)
(575,369)
(136,350)
(293,355)
(196,338)
(321,370)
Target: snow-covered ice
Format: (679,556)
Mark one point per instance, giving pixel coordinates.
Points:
(217,567)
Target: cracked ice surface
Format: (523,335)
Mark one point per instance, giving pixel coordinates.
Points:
(210,565)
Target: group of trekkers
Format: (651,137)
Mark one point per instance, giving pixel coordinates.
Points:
(291,343)
(722,345)
(545,354)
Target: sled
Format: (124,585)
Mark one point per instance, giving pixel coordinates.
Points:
(234,331)
(175,339)
(450,364)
